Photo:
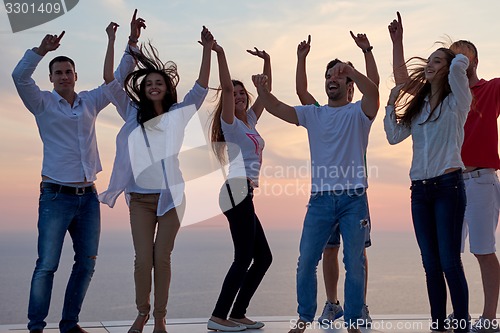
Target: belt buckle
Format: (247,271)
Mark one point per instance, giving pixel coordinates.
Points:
(79,190)
(475,174)
(424,182)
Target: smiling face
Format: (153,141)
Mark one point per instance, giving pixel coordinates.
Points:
(63,77)
(155,87)
(240,99)
(437,66)
(336,88)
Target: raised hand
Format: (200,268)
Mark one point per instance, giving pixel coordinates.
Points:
(111,30)
(304,47)
(260,82)
(259,53)
(342,70)
(136,24)
(396,29)
(49,43)
(361,40)
(207,39)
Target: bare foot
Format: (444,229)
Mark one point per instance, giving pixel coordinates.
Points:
(299,327)
(139,323)
(160,326)
(224,322)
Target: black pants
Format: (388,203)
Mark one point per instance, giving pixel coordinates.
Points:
(252,256)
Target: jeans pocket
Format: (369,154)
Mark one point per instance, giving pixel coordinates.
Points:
(47,194)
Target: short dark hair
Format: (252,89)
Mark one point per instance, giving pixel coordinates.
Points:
(60,59)
(335,61)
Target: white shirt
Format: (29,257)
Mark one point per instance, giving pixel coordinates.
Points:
(70,152)
(338,138)
(437,143)
(244,148)
(122,177)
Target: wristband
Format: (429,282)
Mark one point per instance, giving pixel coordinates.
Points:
(132,40)
(369,49)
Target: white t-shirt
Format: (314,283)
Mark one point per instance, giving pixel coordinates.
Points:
(244,147)
(338,138)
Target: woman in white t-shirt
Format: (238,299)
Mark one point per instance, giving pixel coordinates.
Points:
(233,130)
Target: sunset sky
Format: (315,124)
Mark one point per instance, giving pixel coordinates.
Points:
(276,26)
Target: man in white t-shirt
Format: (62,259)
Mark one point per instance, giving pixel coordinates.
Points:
(338,138)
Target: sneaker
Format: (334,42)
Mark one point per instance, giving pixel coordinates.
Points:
(331,311)
(451,317)
(365,316)
(483,325)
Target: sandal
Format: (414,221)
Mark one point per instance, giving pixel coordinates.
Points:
(144,322)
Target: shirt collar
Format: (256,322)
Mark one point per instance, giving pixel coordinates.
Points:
(60,98)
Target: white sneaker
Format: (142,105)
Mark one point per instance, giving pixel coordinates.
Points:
(331,312)
(365,316)
(483,325)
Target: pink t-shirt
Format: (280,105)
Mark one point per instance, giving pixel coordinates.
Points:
(480,147)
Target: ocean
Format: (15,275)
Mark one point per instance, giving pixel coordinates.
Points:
(201,258)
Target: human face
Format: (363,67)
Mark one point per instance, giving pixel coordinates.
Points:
(240,98)
(155,87)
(335,87)
(63,77)
(436,66)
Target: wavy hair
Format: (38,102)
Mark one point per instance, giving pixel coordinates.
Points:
(411,99)
(149,62)
(216,135)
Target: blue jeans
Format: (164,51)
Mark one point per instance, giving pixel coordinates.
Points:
(349,210)
(58,213)
(438,207)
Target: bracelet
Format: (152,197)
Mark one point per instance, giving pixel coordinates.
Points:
(369,49)
(132,40)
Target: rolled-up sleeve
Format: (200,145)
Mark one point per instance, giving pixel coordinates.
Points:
(459,83)
(394,132)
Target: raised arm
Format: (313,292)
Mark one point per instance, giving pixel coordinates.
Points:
(301,75)
(370,101)
(226,85)
(371,66)
(108,74)
(257,106)
(22,74)
(207,40)
(398,58)
(127,63)
(271,103)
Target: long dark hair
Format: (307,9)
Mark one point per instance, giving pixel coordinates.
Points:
(412,96)
(216,136)
(149,62)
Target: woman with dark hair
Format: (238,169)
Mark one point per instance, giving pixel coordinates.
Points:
(431,106)
(156,203)
(233,131)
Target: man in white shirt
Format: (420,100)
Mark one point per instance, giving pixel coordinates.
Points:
(338,138)
(68,197)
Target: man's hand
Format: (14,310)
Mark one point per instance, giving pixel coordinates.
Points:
(304,47)
(49,43)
